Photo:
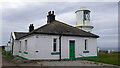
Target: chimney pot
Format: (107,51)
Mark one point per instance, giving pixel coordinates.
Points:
(53,12)
(50,17)
(49,13)
(31,27)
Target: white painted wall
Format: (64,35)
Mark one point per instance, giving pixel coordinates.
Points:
(30,47)
(15,44)
(79,20)
(40,43)
(7,48)
(11,42)
(44,45)
(15,47)
(88,29)
(79,46)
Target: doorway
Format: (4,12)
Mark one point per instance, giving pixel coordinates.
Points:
(72,49)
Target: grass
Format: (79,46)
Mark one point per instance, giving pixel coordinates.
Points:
(111,58)
(0,48)
(7,54)
(34,61)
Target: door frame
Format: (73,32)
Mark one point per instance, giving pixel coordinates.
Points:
(70,49)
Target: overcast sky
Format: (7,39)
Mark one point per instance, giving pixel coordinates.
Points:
(104,16)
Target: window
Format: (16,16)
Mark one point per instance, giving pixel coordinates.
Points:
(25,45)
(55,44)
(86,15)
(85,44)
(20,46)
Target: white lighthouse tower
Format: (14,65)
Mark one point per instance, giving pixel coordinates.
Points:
(83,19)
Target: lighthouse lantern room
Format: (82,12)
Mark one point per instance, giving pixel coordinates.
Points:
(83,19)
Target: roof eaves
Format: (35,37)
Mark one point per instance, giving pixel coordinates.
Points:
(66,34)
(25,35)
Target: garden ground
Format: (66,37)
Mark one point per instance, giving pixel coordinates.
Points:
(106,59)
(109,58)
(11,62)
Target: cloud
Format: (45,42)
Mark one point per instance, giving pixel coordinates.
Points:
(68,18)
(18,16)
(60,0)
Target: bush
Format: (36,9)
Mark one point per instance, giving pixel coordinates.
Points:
(7,53)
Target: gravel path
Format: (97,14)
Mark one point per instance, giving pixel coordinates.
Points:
(72,63)
(7,62)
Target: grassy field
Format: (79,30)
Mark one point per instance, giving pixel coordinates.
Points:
(111,58)
(0,48)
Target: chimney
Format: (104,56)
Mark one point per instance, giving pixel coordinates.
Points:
(50,17)
(31,27)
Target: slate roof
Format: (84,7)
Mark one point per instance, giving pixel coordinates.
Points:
(59,28)
(19,34)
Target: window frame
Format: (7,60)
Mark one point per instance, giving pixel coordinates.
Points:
(86,44)
(86,15)
(25,45)
(54,44)
(20,46)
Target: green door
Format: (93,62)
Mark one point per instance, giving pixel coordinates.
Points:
(72,49)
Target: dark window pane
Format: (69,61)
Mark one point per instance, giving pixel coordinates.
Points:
(86,15)
(25,44)
(54,47)
(54,44)
(85,44)
(55,40)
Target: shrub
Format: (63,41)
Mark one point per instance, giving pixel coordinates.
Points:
(7,53)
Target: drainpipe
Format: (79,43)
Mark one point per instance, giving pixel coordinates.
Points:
(60,46)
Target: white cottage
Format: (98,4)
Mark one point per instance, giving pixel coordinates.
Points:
(7,47)
(55,40)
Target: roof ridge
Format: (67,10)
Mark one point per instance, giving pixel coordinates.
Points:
(71,26)
(40,27)
(60,23)
(65,24)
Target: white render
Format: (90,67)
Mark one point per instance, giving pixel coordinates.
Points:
(7,48)
(13,44)
(86,28)
(15,47)
(79,20)
(43,43)
(79,46)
